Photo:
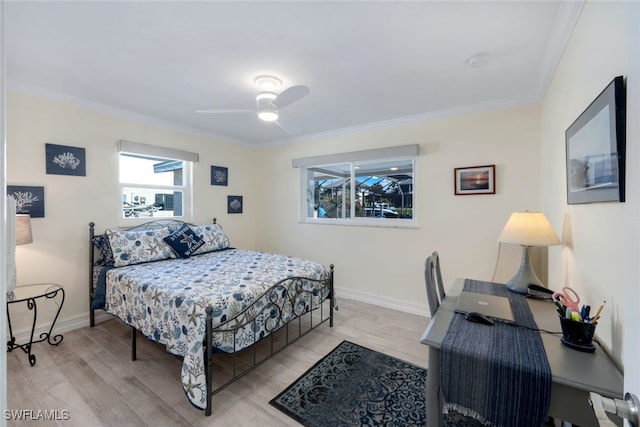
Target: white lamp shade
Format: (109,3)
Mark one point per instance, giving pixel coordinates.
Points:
(529,229)
(23,229)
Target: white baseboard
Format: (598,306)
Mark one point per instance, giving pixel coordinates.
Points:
(394,304)
(82,320)
(62,326)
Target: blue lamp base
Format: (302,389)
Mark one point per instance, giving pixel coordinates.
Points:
(525,275)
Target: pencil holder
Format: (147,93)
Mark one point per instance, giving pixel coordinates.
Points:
(578,335)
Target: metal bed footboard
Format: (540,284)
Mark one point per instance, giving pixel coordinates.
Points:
(284,305)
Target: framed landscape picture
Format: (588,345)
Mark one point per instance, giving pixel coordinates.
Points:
(475,180)
(596,146)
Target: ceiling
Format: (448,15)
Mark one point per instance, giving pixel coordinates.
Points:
(368,64)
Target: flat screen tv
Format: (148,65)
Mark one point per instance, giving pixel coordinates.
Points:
(595,145)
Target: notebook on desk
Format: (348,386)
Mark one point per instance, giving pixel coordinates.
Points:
(496,307)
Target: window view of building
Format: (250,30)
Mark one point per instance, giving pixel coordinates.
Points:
(381,189)
(152,186)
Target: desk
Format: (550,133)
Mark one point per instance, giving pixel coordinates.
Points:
(30,294)
(574,373)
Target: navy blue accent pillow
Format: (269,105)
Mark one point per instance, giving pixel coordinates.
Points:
(101,242)
(184,241)
(99,295)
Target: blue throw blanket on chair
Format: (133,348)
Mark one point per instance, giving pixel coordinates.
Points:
(497,374)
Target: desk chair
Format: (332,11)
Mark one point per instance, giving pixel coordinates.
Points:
(435,295)
(433,282)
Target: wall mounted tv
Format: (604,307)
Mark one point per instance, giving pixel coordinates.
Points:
(595,145)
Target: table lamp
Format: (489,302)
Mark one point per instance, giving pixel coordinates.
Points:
(23,229)
(527,229)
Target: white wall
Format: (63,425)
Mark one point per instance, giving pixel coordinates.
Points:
(386,264)
(3,249)
(632,244)
(592,259)
(383,265)
(60,249)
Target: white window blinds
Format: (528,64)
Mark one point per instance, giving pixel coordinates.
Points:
(155,151)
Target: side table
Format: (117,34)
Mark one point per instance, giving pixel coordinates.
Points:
(31,294)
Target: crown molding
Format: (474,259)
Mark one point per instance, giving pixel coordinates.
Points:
(118,112)
(413,119)
(563,27)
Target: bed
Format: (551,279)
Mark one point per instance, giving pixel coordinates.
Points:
(184,287)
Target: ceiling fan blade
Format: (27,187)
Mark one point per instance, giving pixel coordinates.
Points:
(225,111)
(287,126)
(291,95)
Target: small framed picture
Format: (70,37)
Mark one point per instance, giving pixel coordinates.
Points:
(475,180)
(29,199)
(234,204)
(219,175)
(65,160)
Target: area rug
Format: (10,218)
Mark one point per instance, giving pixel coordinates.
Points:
(356,386)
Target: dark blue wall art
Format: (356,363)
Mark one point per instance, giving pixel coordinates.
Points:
(65,160)
(234,204)
(219,175)
(29,200)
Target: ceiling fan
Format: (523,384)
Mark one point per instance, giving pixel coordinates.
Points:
(269,103)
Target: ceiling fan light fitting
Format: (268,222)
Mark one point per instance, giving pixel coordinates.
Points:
(266,97)
(266,110)
(268,115)
(268,83)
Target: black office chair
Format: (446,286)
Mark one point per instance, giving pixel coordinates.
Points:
(433,282)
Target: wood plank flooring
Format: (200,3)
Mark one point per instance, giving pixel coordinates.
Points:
(91,374)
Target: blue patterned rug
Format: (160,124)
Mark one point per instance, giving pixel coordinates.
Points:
(356,386)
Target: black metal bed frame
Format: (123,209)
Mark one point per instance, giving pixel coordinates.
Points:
(284,304)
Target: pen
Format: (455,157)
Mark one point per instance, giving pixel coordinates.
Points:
(567,313)
(595,318)
(562,310)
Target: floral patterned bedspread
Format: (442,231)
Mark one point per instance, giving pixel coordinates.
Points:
(166,301)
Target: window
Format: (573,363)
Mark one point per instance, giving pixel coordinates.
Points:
(368,189)
(154,181)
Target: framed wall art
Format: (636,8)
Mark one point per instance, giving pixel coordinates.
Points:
(65,160)
(596,145)
(475,180)
(29,199)
(219,175)
(234,204)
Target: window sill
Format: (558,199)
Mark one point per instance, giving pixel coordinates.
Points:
(363,222)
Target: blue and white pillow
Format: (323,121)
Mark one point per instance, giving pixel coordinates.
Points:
(135,247)
(184,241)
(101,242)
(213,236)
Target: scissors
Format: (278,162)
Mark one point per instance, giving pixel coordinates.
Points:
(568,297)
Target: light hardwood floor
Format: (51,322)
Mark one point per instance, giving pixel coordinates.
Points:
(91,374)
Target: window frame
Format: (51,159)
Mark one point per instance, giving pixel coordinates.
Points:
(353,159)
(127,148)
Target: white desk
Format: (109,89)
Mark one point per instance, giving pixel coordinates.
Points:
(574,373)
